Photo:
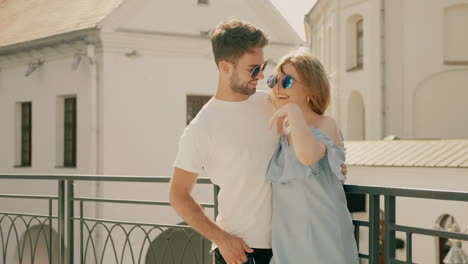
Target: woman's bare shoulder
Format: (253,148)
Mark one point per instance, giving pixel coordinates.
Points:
(328,125)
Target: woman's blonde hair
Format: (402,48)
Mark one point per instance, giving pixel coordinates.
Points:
(313,77)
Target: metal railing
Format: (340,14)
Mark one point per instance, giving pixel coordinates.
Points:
(61,217)
(390,225)
(134,250)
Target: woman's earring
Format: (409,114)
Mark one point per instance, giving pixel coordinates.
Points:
(308,100)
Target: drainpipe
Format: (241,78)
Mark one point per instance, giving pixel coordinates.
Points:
(383,70)
(93,152)
(93,73)
(338,67)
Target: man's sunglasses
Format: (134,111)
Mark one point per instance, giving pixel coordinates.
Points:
(287,81)
(255,71)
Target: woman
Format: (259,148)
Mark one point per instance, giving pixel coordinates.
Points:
(311,222)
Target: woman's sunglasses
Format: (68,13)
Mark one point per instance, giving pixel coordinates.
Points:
(287,81)
(255,71)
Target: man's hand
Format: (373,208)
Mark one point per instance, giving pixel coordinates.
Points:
(344,170)
(233,249)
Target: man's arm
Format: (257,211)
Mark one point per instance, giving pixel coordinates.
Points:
(231,247)
(182,184)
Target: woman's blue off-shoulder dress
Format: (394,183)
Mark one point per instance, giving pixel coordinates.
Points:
(311,222)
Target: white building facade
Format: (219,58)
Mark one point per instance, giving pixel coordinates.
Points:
(400,68)
(397,67)
(130,72)
(106,88)
(418,164)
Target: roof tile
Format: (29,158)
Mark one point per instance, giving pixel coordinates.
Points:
(408,153)
(26,20)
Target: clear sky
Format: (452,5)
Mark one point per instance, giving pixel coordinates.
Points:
(294,11)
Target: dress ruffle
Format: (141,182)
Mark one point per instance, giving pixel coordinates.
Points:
(335,155)
(284,160)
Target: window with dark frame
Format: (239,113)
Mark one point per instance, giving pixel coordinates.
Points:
(359,43)
(26,139)
(444,248)
(454,26)
(443,224)
(194,105)
(69,147)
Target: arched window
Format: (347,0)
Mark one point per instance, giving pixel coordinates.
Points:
(35,245)
(355,43)
(177,245)
(445,222)
(328,47)
(399,243)
(449,87)
(356,129)
(359,43)
(319,49)
(455,36)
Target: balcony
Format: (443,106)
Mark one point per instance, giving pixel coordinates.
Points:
(65,219)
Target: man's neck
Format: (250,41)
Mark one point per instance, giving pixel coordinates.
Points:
(225,93)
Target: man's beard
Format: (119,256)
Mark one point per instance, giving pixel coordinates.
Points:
(242,88)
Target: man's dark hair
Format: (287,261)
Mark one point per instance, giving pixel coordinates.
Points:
(233,38)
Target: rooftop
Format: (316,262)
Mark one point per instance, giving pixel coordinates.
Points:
(27,20)
(408,153)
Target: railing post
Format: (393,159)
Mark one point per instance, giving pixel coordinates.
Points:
(374,228)
(409,247)
(61,220)
(81,233)
(356,236)
(70,222)
(389,228)
(50,232)
(215,202)
(216,192)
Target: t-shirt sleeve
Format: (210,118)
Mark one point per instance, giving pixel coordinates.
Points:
(191,154)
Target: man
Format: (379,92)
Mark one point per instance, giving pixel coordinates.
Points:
(231,142)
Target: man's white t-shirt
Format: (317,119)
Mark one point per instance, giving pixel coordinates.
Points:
(232,143)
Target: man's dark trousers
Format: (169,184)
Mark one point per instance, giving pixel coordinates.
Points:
(260,255)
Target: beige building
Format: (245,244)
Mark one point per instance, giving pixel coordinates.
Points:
(397,67)
(400,68)
(106,87)
(132,72)
(419,164)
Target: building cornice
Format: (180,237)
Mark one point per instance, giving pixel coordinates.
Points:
(44,54)
(48,49)
(125,40)
(316,6)
(88,35)
(315,15)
